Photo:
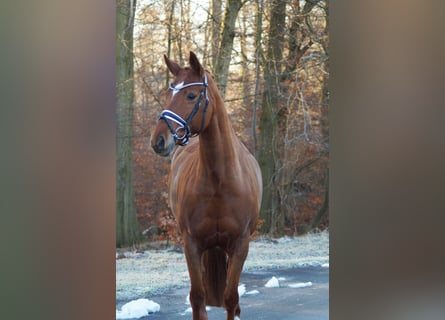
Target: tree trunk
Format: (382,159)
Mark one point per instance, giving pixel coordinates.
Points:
(216,29)
(244,61)
(299,42)
(169,41)
(226,45)
(324,119)
(325,97)
(127,228)
(270,149)
(325,206)
(186,24)
(258,54)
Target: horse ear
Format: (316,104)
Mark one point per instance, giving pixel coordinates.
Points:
(172,66)
(195,64)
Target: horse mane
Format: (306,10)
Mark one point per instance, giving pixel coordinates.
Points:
(210,73)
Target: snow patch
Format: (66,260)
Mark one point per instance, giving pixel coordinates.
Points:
(284,240)
(300,285)
(241,289)
(137,309)
(189,310)
(252,292)
(272,283)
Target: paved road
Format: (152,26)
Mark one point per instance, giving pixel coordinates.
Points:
(284,303)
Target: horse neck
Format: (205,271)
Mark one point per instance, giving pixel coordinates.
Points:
(217,143)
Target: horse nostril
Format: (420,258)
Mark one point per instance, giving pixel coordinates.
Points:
(162,146)
(161,143)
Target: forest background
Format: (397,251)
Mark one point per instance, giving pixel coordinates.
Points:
(271,62)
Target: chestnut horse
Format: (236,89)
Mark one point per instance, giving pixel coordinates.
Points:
(215,187)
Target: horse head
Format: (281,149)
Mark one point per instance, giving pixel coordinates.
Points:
(187,113)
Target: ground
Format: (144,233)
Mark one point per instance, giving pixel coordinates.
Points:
(301,262)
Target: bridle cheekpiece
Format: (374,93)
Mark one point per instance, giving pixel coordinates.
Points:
(184,125)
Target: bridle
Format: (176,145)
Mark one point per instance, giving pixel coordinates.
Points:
(184,125)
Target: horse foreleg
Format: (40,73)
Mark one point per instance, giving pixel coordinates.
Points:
(197,293)
(231,297)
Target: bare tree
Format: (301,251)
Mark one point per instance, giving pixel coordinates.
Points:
(294,52)
(269,150)
(224,54)
(216,20)
(127,228)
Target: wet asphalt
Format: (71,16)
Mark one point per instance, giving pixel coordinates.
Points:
(284,303)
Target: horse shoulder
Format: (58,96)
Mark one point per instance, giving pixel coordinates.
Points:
(252,172)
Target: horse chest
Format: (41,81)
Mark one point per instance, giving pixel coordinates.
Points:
(214,216)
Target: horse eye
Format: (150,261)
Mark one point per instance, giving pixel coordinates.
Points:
(191,96)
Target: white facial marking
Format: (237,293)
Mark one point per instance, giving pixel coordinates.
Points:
(177,88)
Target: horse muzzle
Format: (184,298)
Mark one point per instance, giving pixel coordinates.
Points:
(162,145)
